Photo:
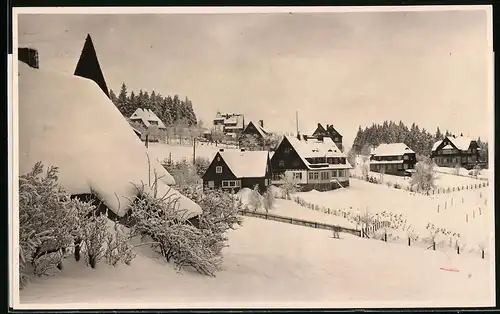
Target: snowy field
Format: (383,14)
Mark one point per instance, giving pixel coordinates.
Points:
(291,209)
(464,216)
(483,174)
(203,149)
(273,264)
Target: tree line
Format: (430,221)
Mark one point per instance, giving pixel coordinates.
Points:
(170,109)
(418,139)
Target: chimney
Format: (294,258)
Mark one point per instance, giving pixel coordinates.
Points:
(221,149)
(304,137)
(320,137)
(298,136)
(261,122)
(28,56)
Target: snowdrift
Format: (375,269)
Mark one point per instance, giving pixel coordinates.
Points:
(68,122)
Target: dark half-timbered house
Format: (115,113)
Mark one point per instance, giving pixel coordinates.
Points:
(314,163)
(254,134)
(395,159)
(236,169)
(457,151)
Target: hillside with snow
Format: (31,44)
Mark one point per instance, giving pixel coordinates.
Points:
(272,264)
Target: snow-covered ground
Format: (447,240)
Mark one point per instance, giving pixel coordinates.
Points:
(484,173)
(273,264)
(288,208)
(178,152)
(445,177)
(468,213)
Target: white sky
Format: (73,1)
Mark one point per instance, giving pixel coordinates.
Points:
(346,69)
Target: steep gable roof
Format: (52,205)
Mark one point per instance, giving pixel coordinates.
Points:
(246,164)
(54,110)
(262,131)
(315,148)
(324,127)
(88,66)
(392,149)
(460,142)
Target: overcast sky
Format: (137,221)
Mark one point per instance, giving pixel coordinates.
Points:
(345,69)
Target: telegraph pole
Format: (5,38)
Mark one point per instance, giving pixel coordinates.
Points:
(194,150)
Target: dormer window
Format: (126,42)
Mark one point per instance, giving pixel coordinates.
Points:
(218,169)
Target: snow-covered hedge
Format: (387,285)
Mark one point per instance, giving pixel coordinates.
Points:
(51,222)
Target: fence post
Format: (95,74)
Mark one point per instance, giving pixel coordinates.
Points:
(385,237)
(482,253)
(409,241)
(434,245)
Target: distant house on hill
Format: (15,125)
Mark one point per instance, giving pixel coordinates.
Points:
(148,123)
(330,132)
(395,159)
(233,169)
(456,151)
(315,163)
(231,124)
(255,131)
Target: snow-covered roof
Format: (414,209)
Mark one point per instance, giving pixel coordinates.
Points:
(246,164)
(448,147)
(147,116)
(314,148)
(460,142)
(392,149)
(262,131)
(107,158)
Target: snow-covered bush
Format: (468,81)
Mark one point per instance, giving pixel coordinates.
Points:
(93,234)
(424,177)
(255,199)
(201,165)
(47,219)
(289,186)
(220,214)
(184,173)
(269,200)
(118,249)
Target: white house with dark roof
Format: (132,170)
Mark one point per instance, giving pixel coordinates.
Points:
(456,151)
(394,158)
(314,163)
(233,169)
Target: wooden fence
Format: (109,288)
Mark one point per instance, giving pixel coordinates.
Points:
(301,222)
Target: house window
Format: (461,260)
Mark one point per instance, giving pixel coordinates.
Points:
(313,175)
(464,159)
(405,166)
(277,176)
(287,150)
(218,158)
(341,173)
(211,184)
(266,182)
(406,157)
(281,163)
(297,175)
(230,183)
(335,173)
(400,167)
(325,175)
(218,169)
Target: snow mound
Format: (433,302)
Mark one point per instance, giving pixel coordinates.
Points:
(245,194)
(68,122)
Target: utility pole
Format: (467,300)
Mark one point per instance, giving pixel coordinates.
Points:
(194,150)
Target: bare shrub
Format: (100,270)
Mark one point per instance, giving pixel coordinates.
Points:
(255,199)
(118,250)
(269,200)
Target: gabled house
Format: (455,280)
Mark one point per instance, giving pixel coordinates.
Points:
(236,169)
(256,131)
(230,124)
(314,163)
(148,123)
(453,151)
(330,132)
(395,159)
